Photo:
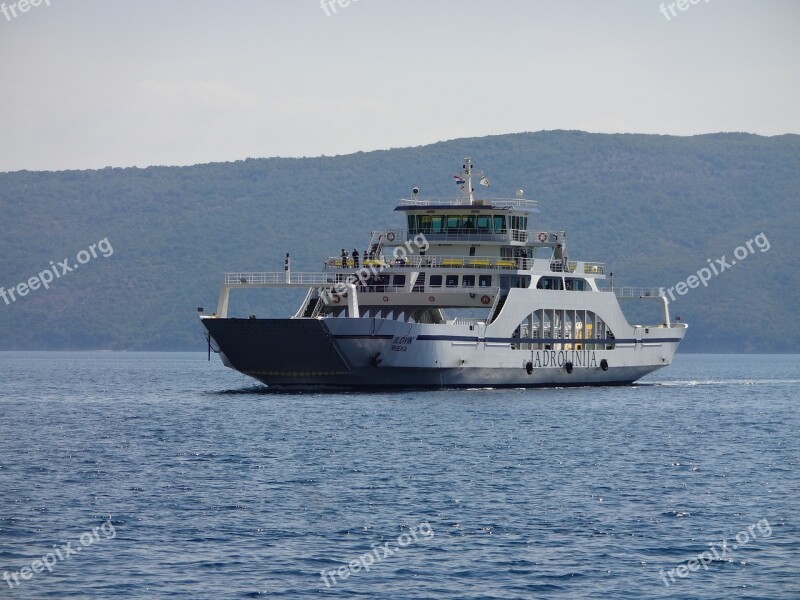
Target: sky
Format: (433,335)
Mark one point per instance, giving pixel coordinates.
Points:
(87,84)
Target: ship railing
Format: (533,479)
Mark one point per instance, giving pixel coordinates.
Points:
(330,279)
(647,293)
(594,267)
(418,261)
(578,266)
(523,203)
(396,237)
(636,292)
(278,278)
(466,321)
(430,261)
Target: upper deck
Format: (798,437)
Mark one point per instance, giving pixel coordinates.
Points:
(521,204)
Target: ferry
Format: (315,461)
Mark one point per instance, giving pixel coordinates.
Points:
(467,294)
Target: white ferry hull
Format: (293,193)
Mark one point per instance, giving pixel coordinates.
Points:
(377,353)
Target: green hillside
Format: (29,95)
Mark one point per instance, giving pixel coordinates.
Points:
(654,208)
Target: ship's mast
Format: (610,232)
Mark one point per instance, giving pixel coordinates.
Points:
(467,173)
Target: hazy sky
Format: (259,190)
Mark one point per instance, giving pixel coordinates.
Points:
(93,83)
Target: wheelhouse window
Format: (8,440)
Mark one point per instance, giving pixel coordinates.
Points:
(474,223)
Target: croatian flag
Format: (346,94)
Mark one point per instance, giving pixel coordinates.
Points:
(458,179)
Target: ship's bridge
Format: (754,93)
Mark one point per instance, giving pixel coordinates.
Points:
(480,220)
(467,219)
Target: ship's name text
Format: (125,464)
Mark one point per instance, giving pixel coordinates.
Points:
(559,358)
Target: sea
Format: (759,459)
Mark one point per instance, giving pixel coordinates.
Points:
(163,475)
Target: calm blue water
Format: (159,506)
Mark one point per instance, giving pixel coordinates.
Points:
(217,490)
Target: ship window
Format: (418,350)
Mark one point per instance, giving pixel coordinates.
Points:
(453,222)
(549,283)
(468,281)
(436,281)
(514,281)
(451,280)
(472,250)
(424,223)
(485,281)
(519,222)
(412,224)
(500,223)
(484,222)
(381,281)
(576,285)
(399,280)
(437,224)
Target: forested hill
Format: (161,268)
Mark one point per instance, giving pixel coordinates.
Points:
(654,208)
